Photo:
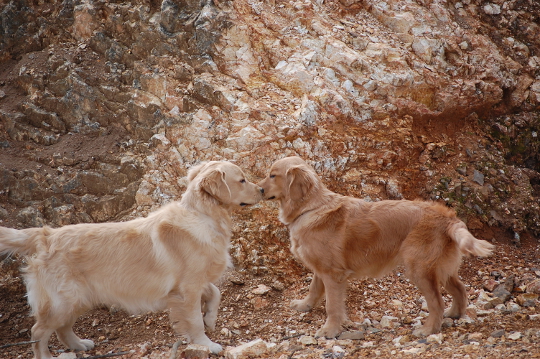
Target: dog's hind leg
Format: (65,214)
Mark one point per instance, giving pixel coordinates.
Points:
(456,288)
(70,339)
(315,294)
(210,305)
(429,285)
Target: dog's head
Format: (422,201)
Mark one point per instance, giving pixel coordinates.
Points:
(290,178)
(224,182)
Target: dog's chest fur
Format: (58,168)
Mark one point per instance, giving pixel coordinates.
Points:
(306,243)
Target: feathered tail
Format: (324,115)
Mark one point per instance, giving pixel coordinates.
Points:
(467,243)
(22,241)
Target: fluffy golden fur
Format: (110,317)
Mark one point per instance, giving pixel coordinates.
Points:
(168,260)
(340,237)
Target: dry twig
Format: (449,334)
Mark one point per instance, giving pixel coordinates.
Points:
(110,355)
(15,344)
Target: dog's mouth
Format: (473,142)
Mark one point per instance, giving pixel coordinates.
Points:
(243,204)
(273,197)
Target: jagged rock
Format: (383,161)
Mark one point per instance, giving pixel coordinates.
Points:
(501,293)
(67,356)
(388,321)
(253,349)
(534,287)
(528,299)
(261,289)
(195,351)
(307,340)
(352,335)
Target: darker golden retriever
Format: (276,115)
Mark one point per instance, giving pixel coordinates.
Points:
(168,260)
(340,237)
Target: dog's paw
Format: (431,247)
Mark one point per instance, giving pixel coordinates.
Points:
(328,332)
(301,306)
(215,348)
(454,314)
(424,332)
(82,345)
(210,319)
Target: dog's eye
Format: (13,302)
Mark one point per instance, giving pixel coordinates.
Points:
(242,181)
(272,176)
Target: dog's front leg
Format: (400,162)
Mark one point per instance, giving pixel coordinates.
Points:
(187,319)
(210,303)
(316,291)
(335,307)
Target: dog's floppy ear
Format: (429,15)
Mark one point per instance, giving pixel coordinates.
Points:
(214,184)
(300,180)
(195,170)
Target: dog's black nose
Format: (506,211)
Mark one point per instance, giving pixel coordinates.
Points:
(262,190)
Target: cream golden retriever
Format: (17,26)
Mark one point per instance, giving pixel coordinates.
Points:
(339,237)
(165,261)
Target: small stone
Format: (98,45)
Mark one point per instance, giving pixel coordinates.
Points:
(388,321)
(471,312)
(472,347)
(462,170)
(435,338)
(513,307)
(502,293)
(352,335)
(237,280)
(277,285)
(483,313)
(497,333)
(509,283)
(261,289)
(533,287)
(196,351)
(465,320)
(490,285)
(413,350)
(253,349)
(143,349)
(259,303)
(67,356)
(338,351)
(406,320)
(527,299)
(475,336)
(447,322)
(307,340)
(492,9)
(515,336)
(478,177)
(401,340)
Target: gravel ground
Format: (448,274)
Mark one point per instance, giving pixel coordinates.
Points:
(384,311)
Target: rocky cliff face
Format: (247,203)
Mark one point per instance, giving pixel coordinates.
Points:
(104,105)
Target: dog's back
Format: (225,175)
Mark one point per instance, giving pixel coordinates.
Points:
(377,233)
